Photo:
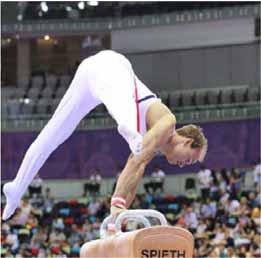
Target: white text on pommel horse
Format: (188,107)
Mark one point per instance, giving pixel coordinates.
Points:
(157,253)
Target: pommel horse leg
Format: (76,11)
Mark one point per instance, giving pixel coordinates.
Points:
(151,242)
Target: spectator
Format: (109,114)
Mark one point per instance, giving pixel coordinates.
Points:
(252,199)
(220,234)
(233,206)
(244,208)
(156,182)
(190,218)
(94,206)
(208,209)
(205,180)
(35,187)
(94,183)
(57,236)
(257,174)
(234,186)
(39,238)
(22,214)
(215,184)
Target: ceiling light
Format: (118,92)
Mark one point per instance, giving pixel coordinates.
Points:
(46,37)
(27,101)
(44,7)
(68,8)
(19,17)
(81,5)
(93,3)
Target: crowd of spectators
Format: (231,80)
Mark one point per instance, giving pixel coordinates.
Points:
(225,220)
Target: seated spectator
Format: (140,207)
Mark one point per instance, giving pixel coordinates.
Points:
(205,179)
(48,201)
(39,238)
(22,214)
(191,220)
(57,236)
(208,209)
(234,186)
(35,187)
(94,183)
(214,188)
(220,234)
(257,173)
(204,248)
(232,206)
(252,199)
(94,206)
(244,208)
(156,182)
(201,229)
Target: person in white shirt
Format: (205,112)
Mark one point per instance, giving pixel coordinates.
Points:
(93,206)
(205,179)
(94,183)
(35,187)
(191,219)
(232,206)
(156,181)
(257,174)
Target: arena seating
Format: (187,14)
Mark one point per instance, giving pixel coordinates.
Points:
(40,96)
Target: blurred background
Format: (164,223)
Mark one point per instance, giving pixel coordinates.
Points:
(201,58)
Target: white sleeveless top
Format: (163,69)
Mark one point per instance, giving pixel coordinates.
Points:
(144,104)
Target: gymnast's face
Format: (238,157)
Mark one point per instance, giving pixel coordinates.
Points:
(178,151)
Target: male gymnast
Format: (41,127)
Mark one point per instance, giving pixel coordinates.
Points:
(143,120)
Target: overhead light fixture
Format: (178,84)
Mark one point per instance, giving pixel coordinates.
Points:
(81,5)
(68,8)
(19,17)
(44,7)
(93,3)
(27,101)
(46,37)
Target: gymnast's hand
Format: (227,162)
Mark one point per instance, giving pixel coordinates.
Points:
(115,211)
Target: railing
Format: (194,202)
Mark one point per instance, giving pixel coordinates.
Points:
(86,25)
(193,114)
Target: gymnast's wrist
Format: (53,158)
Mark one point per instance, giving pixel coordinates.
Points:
(118,202)
(118,205)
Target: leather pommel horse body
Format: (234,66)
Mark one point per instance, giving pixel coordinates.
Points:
(150,242)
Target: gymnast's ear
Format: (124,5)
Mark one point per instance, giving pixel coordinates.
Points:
(188,142)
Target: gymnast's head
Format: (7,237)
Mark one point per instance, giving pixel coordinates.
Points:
(187,146)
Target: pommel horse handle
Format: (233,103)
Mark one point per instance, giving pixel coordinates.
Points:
(135,215)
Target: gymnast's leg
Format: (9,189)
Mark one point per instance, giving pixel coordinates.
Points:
(72,108)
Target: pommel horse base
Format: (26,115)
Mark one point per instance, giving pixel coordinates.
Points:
(150,242)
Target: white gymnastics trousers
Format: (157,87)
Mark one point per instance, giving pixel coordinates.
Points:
(107,78)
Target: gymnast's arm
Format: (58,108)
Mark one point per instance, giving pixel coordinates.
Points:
(131,175)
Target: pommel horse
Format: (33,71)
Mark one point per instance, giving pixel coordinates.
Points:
(160,241)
